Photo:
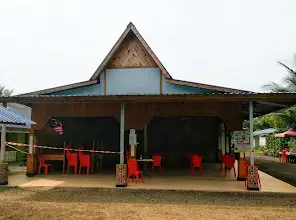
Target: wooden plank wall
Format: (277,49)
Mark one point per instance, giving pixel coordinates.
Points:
(131,54)
(139,114)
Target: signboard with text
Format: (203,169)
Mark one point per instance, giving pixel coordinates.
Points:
(241,141)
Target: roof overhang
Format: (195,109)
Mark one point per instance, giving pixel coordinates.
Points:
(264,103)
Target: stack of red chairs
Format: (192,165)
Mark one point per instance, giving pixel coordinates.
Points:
(133,170)
(43,164)
(246,171)
(229,164)
(196,162)
(72,160)
(84,161)
(156,163)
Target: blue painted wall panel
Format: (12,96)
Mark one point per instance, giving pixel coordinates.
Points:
(133,81)
(82,91)
(168,88)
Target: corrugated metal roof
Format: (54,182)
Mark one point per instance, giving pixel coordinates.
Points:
(265,131)
(167,94)
(9,116)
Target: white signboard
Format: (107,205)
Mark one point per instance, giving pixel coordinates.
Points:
(242,148)
(241,137)
(241,141)
(132,137)
(132,141)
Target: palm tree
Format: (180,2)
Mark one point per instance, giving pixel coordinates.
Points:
(5,92)
(289,82)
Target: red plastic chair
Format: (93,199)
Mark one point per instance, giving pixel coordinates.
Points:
(196,162)
(284,156)
(229,164)
(84,161)
(246,171)
(134,171)
(43,164)
(72,160)
(223,159)
(156,163)
(190,158)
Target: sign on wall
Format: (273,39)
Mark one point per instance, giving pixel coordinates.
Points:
(241,141)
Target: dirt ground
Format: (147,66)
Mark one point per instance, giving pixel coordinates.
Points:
(85,203)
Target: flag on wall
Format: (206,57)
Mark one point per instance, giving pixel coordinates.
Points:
(56,126)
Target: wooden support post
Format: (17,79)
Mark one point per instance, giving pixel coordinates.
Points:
(93,158)
(31,159)
(160,81)
(222,128)
(105,82)
(145,141)
(64,157)
(3,146)
(3,139)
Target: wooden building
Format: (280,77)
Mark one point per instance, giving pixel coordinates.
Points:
(131,89)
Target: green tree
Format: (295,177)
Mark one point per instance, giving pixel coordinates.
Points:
(289,82)
(5,92)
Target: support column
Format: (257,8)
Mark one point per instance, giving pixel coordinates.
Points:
(31,160)
(3,146)
(3,165)
(223,138)
(252,170)
(145,141)
(121,168)
(251,125)
(122,123)
(227,144)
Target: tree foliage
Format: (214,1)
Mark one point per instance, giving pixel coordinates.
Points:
(5,92)
(288,84)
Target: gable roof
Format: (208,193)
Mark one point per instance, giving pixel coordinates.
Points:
(130,28)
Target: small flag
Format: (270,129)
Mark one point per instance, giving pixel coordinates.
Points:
(56,126)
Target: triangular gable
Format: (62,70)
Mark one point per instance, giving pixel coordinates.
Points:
(127,38)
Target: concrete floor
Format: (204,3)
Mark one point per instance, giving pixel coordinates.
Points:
(212,180)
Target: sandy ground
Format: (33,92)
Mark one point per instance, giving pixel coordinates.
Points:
(86,203)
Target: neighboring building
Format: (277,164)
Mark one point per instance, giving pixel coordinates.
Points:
(259,136)
(17,133)
(131,89)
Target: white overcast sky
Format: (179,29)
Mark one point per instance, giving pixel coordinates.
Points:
(231,43)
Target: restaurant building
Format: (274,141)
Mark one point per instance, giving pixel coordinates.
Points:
(131,89)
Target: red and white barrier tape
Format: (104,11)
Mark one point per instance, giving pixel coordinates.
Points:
(60,148)
(16,149)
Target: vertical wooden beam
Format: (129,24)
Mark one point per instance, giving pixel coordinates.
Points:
(105,82)
(145,140)
(31,159)
(160,81)
(3,139)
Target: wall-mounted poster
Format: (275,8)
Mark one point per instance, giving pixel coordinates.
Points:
(241,141)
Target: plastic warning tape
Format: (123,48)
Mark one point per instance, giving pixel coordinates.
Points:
(60,148)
